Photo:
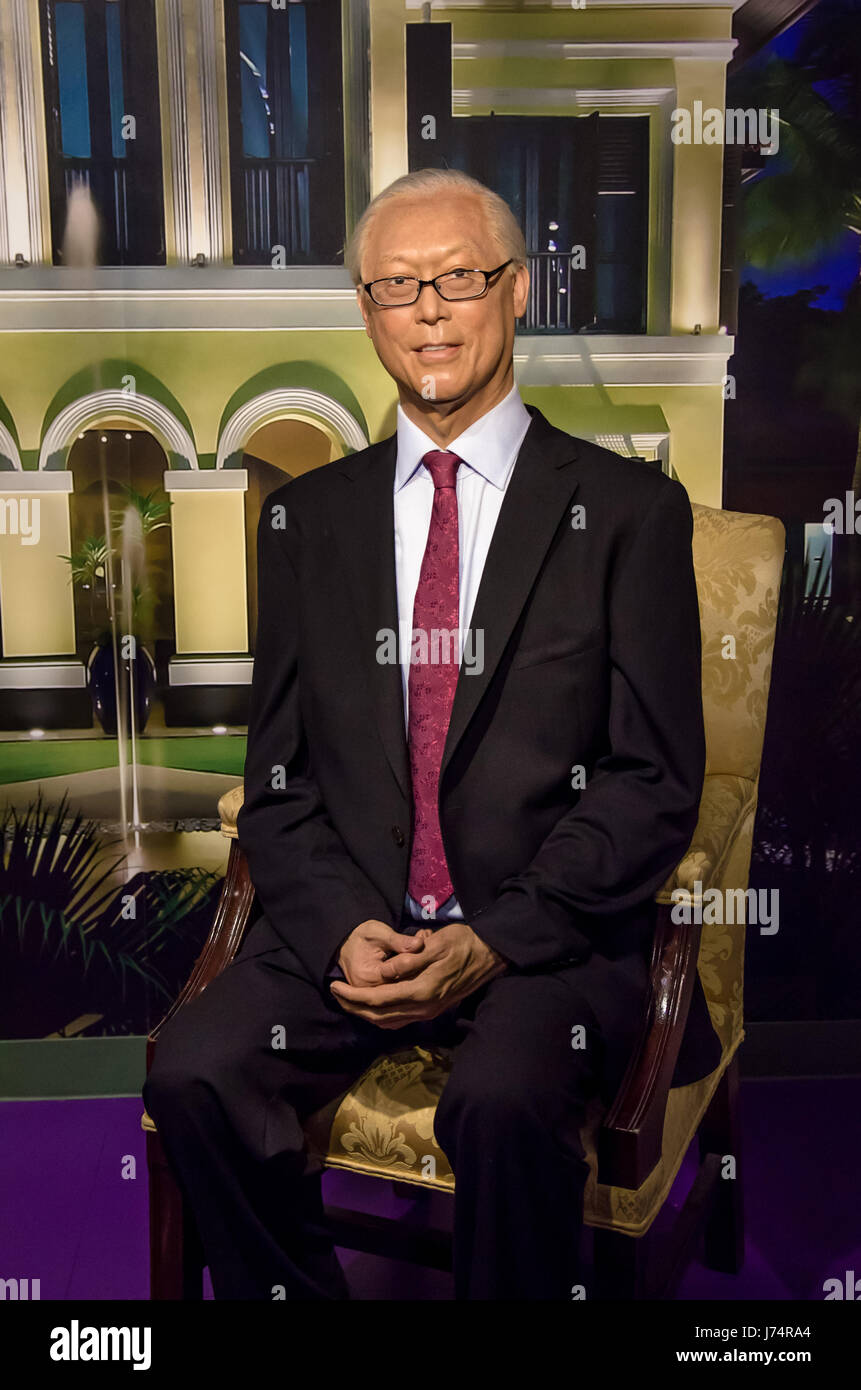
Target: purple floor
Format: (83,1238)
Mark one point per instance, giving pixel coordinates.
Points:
(73,1200)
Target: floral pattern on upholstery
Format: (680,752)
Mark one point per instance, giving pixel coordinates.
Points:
(738,560)
(724,801)
(383,1127)
(229,804)
(384,1123)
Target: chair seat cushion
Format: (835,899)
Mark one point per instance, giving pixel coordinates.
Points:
(383,1126)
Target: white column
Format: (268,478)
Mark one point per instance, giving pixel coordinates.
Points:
(208,536)
(38,602)
(24,209)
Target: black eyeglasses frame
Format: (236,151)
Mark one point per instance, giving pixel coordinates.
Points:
(474,270)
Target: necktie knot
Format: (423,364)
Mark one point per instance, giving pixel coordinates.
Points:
(442,466)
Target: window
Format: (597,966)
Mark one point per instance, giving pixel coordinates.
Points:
(622,224)
(285,104)
(102,113)
(579,188)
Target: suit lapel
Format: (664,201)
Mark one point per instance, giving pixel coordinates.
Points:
(539,491)
(364,523)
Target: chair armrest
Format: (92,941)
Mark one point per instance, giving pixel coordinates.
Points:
(229,806)
(630,1139)
(724,804)
(222,943)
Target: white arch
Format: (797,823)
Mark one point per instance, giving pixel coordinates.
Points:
(8,448)
(273,405)
(81,412)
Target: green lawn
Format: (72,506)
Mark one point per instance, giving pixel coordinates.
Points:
(24,760)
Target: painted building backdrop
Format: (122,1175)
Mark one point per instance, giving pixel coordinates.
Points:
(150,402)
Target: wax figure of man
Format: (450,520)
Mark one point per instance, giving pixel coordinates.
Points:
(460,848)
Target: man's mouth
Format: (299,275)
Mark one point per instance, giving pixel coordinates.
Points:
(438,351)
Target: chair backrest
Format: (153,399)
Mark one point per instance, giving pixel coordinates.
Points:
(738,561)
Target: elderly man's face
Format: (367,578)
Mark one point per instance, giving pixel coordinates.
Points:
(441,350)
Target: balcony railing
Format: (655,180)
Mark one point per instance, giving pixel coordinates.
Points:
(277,207)
(555,299)
(106,181)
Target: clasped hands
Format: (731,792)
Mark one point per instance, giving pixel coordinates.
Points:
(394,979)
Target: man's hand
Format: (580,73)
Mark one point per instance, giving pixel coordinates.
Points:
(436,971)
(368,945)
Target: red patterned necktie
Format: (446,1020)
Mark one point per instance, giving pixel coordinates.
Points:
(433,677)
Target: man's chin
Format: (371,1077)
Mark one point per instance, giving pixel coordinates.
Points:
(435,391)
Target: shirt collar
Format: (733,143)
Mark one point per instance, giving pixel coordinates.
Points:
(489,446)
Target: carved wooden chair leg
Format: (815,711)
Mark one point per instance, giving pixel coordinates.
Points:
(621,1267)
(176,1255)
(720,1134)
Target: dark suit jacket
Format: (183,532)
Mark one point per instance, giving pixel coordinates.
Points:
(591,658)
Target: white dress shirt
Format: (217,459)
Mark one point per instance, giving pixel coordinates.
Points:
(488,448)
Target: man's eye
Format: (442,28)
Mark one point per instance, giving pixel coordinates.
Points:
(458,272)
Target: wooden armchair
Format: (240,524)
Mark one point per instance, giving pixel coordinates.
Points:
(383,1126)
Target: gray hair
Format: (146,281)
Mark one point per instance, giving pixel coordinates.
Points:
(429,183)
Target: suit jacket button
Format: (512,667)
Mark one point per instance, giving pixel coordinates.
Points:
(398,836)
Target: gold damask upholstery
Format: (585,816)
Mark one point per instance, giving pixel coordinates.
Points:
(738,558)
(383,1125)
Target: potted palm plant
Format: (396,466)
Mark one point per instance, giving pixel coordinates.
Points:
(70,950)
(120,628)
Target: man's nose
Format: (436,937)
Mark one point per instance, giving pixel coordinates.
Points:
(430,306)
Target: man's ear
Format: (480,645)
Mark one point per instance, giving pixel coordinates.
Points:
(521,290)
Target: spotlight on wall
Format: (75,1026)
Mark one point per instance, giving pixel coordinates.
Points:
(219,728)
(37,733)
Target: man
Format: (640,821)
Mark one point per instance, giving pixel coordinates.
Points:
(452,841)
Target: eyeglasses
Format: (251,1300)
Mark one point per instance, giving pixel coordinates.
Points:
(396,290)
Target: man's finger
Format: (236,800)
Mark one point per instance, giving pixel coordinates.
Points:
(393,940)
(378,995)
(382,1018)
(407,965)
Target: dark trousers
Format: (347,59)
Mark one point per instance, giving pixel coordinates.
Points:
(229,1107)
